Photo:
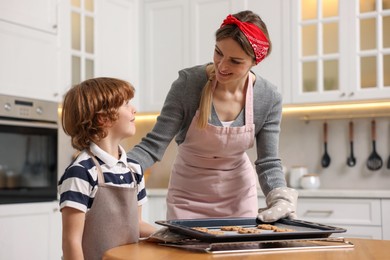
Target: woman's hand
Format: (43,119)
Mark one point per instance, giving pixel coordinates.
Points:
(281,203)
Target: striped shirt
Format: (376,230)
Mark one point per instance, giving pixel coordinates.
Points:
(78,185)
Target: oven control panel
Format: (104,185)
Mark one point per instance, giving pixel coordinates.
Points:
(28,109)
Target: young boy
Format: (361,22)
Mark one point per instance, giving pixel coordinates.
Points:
(102,191)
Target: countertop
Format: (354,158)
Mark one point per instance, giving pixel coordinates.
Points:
(319,193)
(363,249)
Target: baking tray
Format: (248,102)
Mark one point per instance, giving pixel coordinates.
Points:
(300,229)
(264,246)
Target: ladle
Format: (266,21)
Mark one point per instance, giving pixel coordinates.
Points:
(351,161)
(374,162)
(325,161)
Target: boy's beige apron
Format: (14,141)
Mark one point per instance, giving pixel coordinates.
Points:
(212,175)
(112,220)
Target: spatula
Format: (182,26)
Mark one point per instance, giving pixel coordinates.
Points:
(374,162)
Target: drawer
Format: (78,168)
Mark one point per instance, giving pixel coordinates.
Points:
(366,232)
(340,211)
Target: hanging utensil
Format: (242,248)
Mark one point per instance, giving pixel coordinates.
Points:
(374,162)
(325,161)
(388,163)
(351,161)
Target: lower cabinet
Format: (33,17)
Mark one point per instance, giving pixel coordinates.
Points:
(385,219)
(155,209)
(30,231)
(362,218)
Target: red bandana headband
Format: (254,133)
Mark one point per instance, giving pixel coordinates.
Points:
(255,36)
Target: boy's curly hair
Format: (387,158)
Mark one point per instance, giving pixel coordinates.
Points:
(89,104)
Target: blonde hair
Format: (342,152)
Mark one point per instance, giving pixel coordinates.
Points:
(206,98)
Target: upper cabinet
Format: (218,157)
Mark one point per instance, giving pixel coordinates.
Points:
(165,49)
(340,50)
(38,14)
(117,42)
(29,64)
(181,33)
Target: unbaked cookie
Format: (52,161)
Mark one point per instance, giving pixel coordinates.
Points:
(267,227)
(215,232)
(230,228)
(284,230)
(201,229)
(248,231)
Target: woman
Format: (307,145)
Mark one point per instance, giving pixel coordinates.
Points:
(216,111)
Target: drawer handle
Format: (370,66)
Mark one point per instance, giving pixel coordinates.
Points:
(326,213)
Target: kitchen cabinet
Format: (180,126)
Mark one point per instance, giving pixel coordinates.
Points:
(165,27)
(30,231)
(155,209)
(361,217)
(332,62)
(385,219)
(181,33)
(29,64)
(117,41)
(275,68)
(38,15)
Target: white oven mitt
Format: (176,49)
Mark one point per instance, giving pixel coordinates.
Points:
(281,203)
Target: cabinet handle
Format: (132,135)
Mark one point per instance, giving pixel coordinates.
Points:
(342,94)
(325,213)
(351,94)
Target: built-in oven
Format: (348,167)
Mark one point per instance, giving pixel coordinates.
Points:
(28,150)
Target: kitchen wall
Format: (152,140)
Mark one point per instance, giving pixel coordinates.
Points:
(301,143)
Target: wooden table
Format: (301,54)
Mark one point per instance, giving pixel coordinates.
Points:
(366,249)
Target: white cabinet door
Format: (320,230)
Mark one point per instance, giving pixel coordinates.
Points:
(275,67)
(361,217)
(29,62)
(176,34)
(155,209)
(333,63)
(385,219)
(38,14)
(164,26)
(30,231)
(117,41)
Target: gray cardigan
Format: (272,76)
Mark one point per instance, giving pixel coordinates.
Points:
(179,109)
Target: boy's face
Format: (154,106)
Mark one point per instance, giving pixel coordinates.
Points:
(125,125)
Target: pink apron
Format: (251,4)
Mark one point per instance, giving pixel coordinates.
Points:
(212,175)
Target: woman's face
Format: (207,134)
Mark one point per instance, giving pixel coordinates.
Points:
(232,64)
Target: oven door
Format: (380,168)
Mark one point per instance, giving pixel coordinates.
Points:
(28,161)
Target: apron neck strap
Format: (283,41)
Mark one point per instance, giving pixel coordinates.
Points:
(99,169)
(249,101)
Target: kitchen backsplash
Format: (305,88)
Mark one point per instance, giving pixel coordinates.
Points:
(301,143)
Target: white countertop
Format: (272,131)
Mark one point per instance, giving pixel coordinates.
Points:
(319,193)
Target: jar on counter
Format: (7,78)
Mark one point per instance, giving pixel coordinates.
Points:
(295,176)
(12,179)
(310,181)
(3,177)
